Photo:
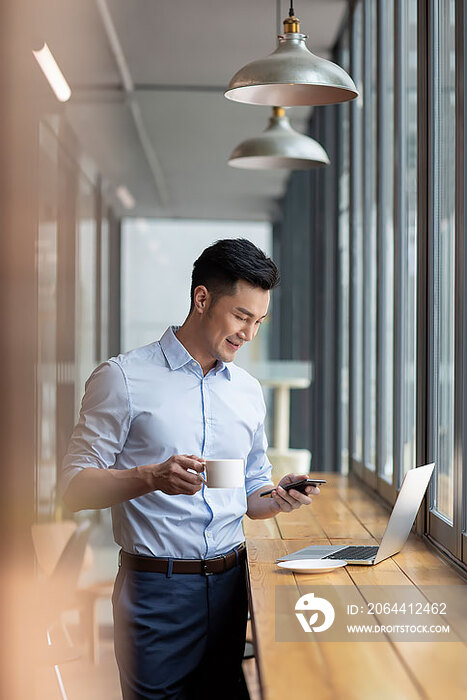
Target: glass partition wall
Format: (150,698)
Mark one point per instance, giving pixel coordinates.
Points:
(445,277)
(75,305)
(400,257)
(385,243)
(406,245)
(343,265)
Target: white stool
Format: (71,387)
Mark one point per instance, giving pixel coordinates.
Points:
(282,376)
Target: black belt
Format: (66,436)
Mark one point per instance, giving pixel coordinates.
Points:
(164,565)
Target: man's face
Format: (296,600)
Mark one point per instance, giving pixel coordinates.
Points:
(234,320)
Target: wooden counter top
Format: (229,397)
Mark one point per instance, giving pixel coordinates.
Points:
(389,669)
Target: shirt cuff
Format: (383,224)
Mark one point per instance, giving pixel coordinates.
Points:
(257,484)
(66,477)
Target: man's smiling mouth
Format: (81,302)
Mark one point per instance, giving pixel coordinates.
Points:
(233,344)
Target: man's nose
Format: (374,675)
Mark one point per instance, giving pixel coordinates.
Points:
(247,334)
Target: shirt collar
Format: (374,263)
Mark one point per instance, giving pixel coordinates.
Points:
(178,356)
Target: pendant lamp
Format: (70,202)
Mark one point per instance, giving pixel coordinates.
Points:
(279,146)
(291,75)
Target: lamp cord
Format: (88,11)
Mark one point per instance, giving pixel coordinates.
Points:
(278,17)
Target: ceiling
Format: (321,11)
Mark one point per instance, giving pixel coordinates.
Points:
(147,80)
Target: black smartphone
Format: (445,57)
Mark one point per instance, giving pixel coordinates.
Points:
(298,485)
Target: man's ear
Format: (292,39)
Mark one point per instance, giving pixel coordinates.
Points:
(201,299)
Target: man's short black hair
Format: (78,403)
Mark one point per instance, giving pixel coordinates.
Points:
(224,263)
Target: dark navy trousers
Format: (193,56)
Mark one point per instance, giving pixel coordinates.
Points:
(180,636)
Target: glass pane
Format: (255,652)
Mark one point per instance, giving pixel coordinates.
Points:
(409,233)
(357,238)
(104,281)
(387,238)
(86,286)
(369,249)
(47,325)
(344,262)
(444,120)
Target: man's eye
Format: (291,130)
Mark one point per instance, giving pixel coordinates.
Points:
(240,318)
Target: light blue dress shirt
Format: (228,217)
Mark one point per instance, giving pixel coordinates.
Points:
(146,405)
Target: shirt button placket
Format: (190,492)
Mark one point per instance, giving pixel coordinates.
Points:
(205,415)
(206,452)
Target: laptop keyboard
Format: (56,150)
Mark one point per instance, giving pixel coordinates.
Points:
(354,552)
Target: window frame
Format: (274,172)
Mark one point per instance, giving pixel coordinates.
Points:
(355,216)
(438,528)
(461,89)
(370,471)
(386,488)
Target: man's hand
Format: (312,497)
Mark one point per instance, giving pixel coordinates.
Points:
(262,508)
(173,478)
(291,500)
(101,488)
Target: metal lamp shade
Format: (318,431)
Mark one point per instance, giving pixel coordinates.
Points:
(279,146)
(291,75)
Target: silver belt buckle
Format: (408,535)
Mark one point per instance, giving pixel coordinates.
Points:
(204,568)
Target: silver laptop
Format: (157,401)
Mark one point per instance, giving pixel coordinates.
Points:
(397,531)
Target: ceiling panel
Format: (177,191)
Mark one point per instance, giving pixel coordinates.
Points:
(74,32)
(193,135)
(106,132)
(180,57)
(207,41)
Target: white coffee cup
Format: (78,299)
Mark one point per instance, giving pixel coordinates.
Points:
(225,473)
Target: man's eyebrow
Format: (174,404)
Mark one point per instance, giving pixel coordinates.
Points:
(247,313)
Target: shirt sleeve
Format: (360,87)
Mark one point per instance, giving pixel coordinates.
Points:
(258,467)
(103,425)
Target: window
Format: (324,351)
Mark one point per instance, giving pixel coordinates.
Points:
(386,238)
(343,125)
(407,258)
(369,235)
(406,241)
(442,272)
(356,254)
(444,119)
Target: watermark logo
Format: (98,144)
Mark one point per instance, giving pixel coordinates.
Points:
(345,613)
(309,603)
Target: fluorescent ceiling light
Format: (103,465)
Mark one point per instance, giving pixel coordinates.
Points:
(52,72)
(125,197)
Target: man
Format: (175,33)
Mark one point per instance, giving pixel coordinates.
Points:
(149,420)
